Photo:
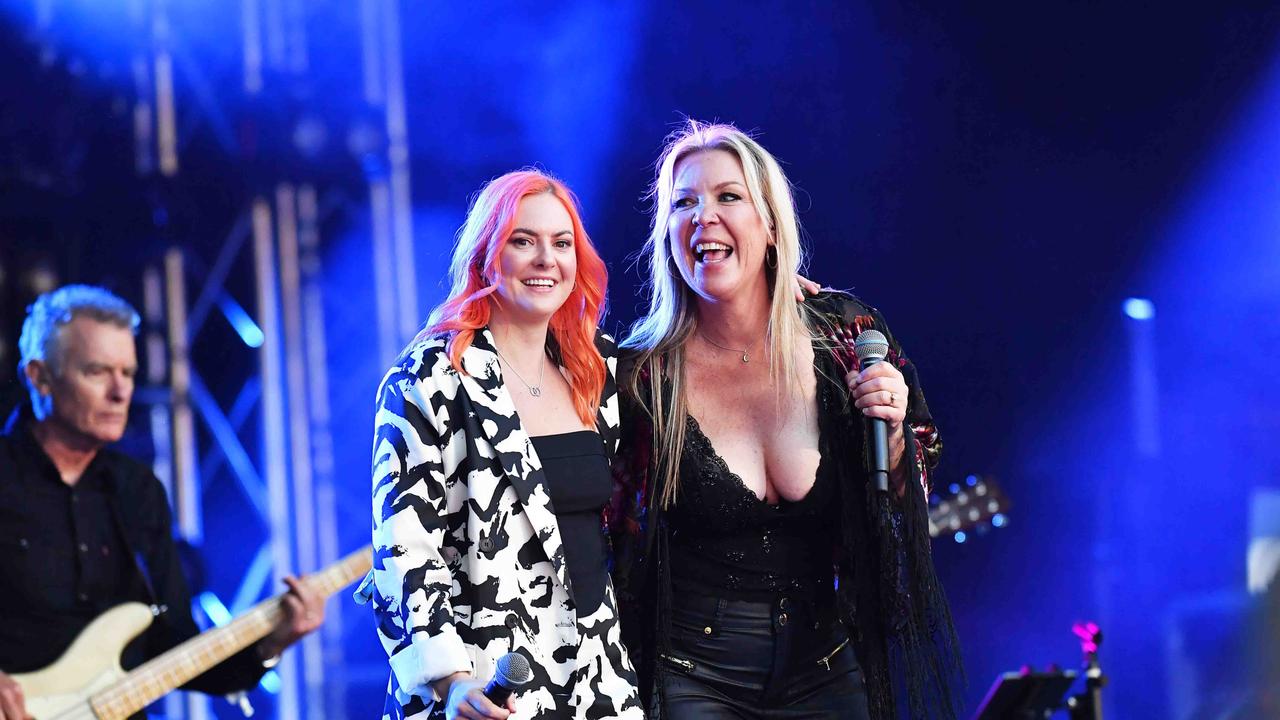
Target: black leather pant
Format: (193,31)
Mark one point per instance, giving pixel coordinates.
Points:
(766,660)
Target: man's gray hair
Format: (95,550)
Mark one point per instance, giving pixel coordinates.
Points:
(52,310)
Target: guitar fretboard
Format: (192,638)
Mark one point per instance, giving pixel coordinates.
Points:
(155,678)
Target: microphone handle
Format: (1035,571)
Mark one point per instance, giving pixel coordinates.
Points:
(879,444)
(880,453)
(497,693)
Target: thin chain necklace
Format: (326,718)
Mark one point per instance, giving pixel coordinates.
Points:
(746,355)
(534,390)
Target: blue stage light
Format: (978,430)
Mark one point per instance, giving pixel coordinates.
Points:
(214,609)
(1139,308)
(999,520)
(961,537)
(270,682)
(240,320)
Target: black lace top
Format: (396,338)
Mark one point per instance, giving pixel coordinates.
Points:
(727,542)
(888,594)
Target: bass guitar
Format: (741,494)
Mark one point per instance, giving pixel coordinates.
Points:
(87,683)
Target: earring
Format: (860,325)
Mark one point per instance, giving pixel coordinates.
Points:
(771,257)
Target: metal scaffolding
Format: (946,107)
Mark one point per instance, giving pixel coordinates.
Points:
(285,475)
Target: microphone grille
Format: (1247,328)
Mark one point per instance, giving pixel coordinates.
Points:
(514,669)
(871,344)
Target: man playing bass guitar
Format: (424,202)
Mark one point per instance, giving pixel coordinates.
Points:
(84,528)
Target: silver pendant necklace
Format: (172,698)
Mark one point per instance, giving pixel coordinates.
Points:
(534,390)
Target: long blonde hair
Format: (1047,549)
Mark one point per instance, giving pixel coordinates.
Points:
(660,335)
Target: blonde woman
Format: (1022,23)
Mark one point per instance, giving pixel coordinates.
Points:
(756,577)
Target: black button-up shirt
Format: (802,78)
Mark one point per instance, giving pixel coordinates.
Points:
(68,553)
(63,559)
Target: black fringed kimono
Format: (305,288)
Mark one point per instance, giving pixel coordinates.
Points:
(887,592)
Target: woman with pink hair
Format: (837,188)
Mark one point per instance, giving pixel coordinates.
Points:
(494,434)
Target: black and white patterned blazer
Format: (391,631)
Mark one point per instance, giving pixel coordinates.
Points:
(468,559)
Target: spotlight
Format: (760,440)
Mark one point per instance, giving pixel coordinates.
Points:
(1139,308)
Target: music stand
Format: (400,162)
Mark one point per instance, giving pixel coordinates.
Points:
(1025,695)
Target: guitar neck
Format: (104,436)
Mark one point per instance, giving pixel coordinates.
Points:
(157,677)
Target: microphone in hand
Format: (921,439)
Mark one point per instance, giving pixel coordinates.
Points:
(512,672)
(871,346)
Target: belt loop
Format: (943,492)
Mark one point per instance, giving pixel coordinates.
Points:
(714,622)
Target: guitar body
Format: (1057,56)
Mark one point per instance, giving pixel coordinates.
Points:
(61,691)
(87,683)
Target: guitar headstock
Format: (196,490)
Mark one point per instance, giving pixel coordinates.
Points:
(976,502)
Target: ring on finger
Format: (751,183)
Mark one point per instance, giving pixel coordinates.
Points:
(893,398)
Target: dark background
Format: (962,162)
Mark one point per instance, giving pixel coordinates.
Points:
(997,178)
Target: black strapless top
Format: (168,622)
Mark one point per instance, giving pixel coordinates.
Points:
(578,479)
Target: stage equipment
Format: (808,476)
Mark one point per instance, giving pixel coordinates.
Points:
(978,502)
(1028,695)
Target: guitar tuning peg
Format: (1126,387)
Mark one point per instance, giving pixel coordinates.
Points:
(241,701)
